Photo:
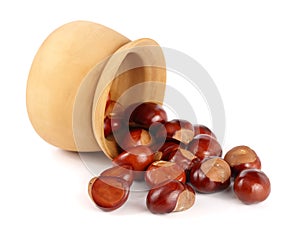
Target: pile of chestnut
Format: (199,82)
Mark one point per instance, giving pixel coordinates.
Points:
(175,159)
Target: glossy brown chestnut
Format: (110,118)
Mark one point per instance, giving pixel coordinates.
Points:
(145,114)
(203,130)
(136,137)
(211,175)
(112,125)
(113,120)
(205,146)
(182,157)
(139,157)
(241,158)
(162,171)
(252,186)
(178,129)
(124,172)
(170,196)
(108,193)
(168,147)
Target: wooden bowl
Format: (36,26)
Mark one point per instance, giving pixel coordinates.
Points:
(73,72)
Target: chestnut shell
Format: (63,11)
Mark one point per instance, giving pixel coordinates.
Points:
(205,146)
(124,172)
(108,192)
(139,157)
(203,181)
(252,186)
(145,114)
(162,171)
(203,130)
(165,197)
(241,158)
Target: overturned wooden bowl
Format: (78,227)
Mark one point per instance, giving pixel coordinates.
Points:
(73,72)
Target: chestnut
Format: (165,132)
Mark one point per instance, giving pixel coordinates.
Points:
(182,157)
(241,158)
(162,171)
(168,147)
(123,171)
(252,186)
(112,125)
(178,129)
(210,175)
(136,137)
(170,196)
(145,114)
(205,146)
(113,120)
(139,157)
(203,130)
(108,192)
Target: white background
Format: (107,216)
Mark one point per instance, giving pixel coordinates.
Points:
(252,51)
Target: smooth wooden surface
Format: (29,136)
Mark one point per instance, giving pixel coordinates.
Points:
(58,70)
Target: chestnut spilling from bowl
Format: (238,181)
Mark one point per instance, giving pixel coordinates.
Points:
(175,159)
